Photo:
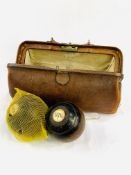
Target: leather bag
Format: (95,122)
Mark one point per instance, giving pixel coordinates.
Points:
(86,75)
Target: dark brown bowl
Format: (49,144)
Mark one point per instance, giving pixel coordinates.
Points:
(65,121)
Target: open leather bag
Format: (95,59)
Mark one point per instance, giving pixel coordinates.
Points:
(87,75)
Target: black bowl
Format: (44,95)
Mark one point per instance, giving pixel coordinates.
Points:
(65,121)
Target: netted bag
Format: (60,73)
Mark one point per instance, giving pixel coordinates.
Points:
(26,116)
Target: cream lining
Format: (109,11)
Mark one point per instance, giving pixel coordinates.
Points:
(70,60)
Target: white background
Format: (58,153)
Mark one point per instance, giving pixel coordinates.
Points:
(105,146)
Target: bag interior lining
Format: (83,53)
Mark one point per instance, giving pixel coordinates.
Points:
(70,60)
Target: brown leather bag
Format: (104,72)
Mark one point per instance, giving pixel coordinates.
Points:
(87,75)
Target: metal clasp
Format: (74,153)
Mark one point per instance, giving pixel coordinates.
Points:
(69,48)
(52,40)
(89,43)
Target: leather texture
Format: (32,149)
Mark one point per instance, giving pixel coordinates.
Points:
(91,91)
